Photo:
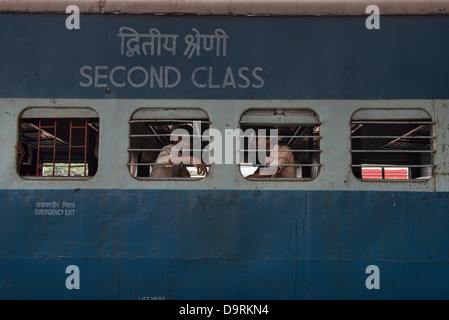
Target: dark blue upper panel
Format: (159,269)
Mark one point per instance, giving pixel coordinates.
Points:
(266,57)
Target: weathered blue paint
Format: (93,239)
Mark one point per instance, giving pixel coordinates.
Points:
(300,57)
(182,244)
(227,244)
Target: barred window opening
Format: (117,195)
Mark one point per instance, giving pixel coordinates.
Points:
(58,142)
(392,145)
(294,153)
(155,133)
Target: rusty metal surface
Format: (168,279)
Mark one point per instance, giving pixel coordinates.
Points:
(230,7)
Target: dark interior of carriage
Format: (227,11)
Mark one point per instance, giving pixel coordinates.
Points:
(392,149)
(298,129)
(303,141)
(58,147)
(148,137)
(398,149)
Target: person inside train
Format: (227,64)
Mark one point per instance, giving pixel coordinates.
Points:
(23,155)
(279,157)
(170,165)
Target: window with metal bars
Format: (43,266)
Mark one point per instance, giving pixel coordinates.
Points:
(154,133)
(58,142)
(288,139)
(392,144)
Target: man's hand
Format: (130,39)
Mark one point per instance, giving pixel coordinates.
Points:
(200,166)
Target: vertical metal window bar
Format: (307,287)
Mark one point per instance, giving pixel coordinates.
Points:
(84,146)
(40,145)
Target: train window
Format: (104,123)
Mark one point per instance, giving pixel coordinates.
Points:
(280,143)
(168,144)
(393,145)
(58,142)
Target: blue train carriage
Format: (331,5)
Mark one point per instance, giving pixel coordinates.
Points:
(357,94)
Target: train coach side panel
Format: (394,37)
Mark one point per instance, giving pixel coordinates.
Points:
(138,243)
